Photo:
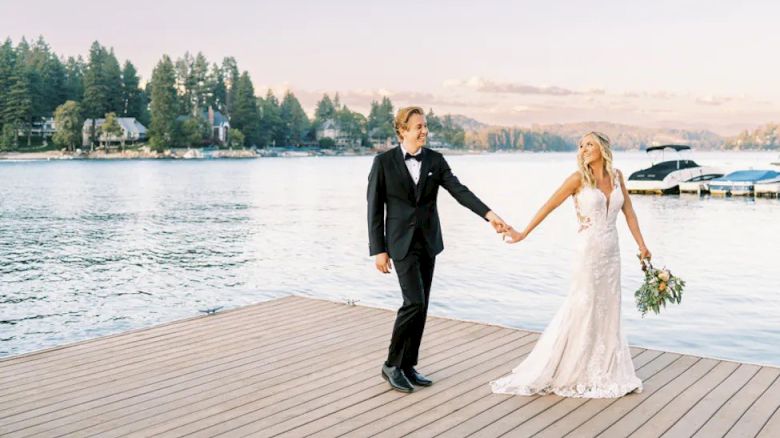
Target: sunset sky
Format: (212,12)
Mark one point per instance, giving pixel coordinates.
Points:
(686,64)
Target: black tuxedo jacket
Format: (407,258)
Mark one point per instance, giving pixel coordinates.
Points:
(409,207)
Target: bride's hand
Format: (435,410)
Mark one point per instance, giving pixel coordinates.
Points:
(644,253)
(513,236)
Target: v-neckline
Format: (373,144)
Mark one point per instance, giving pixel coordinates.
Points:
(606,197)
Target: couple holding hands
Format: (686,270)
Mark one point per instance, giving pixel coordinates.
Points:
(583,352)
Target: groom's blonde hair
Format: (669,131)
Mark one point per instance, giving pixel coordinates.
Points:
(605,147)
(402,118)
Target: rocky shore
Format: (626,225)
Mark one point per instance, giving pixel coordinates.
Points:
(132,154)
(195,153)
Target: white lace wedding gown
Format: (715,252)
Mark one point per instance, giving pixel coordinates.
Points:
(583,352)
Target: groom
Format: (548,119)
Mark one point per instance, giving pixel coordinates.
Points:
(405,180)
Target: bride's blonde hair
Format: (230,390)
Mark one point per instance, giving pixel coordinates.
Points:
(602,140)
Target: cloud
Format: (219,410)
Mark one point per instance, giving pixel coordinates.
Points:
(486,86)
(492,87)
(713,100)
(663,95)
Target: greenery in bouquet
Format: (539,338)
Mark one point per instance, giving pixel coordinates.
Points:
(660,287)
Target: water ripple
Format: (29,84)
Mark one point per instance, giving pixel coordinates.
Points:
(89,249)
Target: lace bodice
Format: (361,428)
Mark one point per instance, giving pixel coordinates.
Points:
(595,209)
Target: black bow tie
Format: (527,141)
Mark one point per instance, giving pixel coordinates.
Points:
(409,156)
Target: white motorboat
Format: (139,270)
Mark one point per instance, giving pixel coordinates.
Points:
(664,176)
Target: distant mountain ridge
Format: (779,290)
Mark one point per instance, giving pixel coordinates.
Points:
(564,136)
(467,123)
(627,137)
(765,137)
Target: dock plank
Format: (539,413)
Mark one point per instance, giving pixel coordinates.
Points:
(693,420)
(298,366)
(724,418)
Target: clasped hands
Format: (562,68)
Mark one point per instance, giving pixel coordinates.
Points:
(508,234)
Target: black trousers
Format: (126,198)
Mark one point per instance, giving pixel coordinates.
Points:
(415,274)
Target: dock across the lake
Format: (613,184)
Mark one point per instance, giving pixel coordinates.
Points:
(299,367)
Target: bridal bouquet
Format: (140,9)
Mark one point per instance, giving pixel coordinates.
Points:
(660,287)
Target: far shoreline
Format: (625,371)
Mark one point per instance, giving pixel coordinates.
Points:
(198,154)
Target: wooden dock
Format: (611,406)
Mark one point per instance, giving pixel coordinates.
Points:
(297,367)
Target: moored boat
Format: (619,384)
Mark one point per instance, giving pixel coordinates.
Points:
(666,176)
(743,182)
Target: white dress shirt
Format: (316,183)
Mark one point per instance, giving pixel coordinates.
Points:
(412,165)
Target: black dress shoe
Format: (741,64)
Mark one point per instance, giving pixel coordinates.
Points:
(396,378)
(417,378)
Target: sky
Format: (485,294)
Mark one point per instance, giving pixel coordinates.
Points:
(676,64)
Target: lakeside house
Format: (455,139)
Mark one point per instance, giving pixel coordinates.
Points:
(219,123)
(132,131)
(44,127)
(332,130)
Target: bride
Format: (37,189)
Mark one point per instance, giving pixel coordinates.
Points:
(583,352)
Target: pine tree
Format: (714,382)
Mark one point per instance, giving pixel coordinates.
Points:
(199,81)
(270,126)
(245,116)
(230,75)
(295,123)
(337,102)
(218,91)
(434,123)
(7,70)
(184,83)
(164,105)
(112,74)
(380,120)
(325,110)
(352,125)
(46,76)
(97,91)
(18,109)
(74,79)
(452,134)
(132,96)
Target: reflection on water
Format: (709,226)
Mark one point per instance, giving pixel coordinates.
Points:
(91,248)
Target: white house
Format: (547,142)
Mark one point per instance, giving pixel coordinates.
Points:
(132,131)
(44,127)
(330,129)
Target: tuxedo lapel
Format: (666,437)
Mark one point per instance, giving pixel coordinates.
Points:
(424,169)
(403,172)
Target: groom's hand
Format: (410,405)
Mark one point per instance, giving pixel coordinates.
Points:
(383,263)
(496,222)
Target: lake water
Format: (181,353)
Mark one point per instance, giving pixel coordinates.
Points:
(90,248)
